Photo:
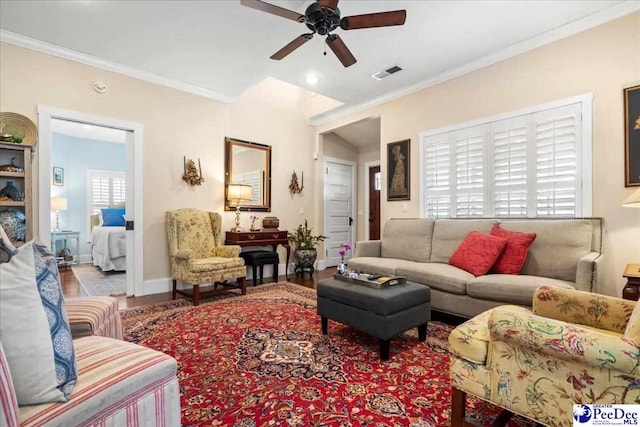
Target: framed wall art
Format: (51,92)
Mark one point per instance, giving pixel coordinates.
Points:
(398,174)
(632,136)
(58,176)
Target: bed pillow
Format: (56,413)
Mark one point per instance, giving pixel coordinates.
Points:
(512,258)
(477,252)
(113,217)
(25,332)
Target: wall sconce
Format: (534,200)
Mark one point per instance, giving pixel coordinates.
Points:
(191,175)
(236,194)
(294,187)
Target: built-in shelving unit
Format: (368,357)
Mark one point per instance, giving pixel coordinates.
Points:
(20,156)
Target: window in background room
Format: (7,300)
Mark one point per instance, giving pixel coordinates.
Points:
(105,188)
(534,163)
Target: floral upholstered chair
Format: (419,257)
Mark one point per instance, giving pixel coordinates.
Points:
(572,347)
(196,255)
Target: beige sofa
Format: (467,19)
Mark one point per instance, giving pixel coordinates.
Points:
(565,253)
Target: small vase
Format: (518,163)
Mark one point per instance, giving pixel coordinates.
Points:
(342,268)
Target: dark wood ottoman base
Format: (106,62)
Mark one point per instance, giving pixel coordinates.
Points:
(383,313)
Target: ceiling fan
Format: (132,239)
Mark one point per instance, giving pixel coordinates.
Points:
(322,17)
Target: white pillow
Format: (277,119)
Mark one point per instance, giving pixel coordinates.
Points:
(24,329)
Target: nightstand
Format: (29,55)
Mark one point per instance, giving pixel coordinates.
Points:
(631,290)
(65,236)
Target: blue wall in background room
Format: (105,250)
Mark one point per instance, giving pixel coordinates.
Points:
(76,156)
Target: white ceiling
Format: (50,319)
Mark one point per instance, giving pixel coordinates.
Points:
(86,131)
(361,134)
(222,48)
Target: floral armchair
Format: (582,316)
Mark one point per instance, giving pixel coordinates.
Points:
(572,347)
(196,255)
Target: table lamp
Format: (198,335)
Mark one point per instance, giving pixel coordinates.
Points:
(237,193)
(633,201)
(58,204)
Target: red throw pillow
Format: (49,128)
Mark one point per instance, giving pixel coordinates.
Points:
(477,253)
(514,255)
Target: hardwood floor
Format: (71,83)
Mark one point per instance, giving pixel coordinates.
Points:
(71,287)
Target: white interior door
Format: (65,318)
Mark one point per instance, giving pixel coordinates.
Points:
(339,201)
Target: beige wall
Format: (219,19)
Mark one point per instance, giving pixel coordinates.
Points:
(600,61)
(338,148)
(176,124)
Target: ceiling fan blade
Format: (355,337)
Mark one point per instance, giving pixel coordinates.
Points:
(296,43)
(370,20)
(275,10)
(329,3)
(341,50)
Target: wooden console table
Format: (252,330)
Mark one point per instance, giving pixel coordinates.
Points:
(261,238)
(632,289)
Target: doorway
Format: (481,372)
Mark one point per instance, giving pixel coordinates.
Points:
(339,202)
(372,204)
(133,171)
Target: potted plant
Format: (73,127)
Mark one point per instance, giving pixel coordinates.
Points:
(305,243)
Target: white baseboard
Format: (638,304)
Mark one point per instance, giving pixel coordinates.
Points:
(158,286)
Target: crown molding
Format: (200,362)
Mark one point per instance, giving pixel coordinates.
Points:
(72,55)
(618,10)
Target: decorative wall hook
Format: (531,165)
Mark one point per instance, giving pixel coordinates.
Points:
(191,175)
(294,187)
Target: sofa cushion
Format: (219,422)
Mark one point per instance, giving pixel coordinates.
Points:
(408,239)
(25,332)
(515,252)
(114,374)
(440,276)
(633,326)
(449,233)
(511,289)
(477,253)
(384,266)
(558,247)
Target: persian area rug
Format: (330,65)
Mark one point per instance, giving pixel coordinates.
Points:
(94,282)
(261,360)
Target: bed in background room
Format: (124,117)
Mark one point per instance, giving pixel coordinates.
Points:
(108,240)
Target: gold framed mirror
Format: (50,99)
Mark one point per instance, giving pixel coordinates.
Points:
(248,163)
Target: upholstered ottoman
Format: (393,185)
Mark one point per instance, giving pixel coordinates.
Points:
(97,316)
(382,313)
(257,259)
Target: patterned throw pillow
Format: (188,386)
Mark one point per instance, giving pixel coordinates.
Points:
(512,258)
(48,283)
(477,253)
(7,250)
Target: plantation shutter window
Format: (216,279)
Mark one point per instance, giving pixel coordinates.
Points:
(526,165)
(106,189)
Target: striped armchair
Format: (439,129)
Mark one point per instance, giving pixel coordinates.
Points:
(571,347)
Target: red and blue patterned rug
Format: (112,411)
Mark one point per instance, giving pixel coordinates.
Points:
(261,360)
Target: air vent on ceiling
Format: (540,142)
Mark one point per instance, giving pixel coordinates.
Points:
(386,73)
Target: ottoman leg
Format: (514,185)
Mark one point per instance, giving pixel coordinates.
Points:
(422,332)
(384,349)
(325,325)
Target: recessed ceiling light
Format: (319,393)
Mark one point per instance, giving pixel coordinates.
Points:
(87,127)
(311,79)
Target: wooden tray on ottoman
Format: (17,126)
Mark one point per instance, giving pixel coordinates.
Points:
(381,282)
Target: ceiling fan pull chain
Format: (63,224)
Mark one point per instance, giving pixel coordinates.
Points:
(325,47)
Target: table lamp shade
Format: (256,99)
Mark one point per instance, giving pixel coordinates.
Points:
(633,201)
(239,192)
(58,204)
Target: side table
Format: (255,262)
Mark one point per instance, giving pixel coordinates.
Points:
(631,290)
(65,236)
